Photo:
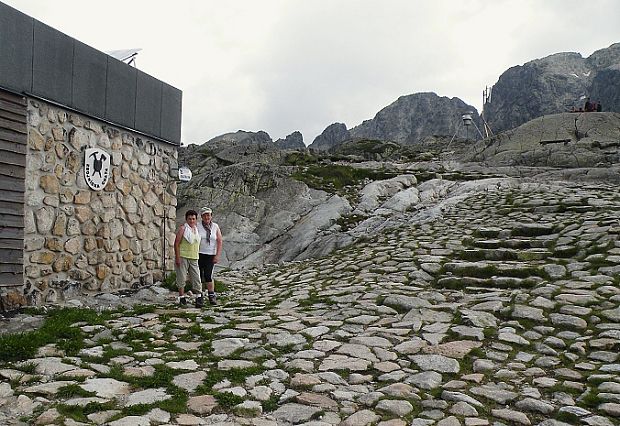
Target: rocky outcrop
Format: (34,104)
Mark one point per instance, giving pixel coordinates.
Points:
(264,202)
(552,85)
(268,215)
(367,149)
(265,215)
(411,118)
(240,137)
(238,147)
(293,141)
(605,88)
(237,144)
(332,136)
(567,140)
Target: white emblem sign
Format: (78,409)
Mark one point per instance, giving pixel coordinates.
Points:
(96,168)
(185,174)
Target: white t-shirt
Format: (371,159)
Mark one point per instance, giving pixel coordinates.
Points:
(210,246)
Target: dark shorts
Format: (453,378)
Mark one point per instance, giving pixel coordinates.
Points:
(205,263)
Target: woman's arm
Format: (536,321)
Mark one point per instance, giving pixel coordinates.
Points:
(218,250)
(177,245)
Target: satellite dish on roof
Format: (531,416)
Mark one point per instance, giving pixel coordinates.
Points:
(125,55)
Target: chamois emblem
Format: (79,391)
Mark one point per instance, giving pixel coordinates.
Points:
(96,168)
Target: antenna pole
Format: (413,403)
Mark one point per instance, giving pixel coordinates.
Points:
(454,135)
(486,98)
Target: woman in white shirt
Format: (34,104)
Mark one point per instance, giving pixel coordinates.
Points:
(209,252)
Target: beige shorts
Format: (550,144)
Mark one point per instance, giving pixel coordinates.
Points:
(189,266)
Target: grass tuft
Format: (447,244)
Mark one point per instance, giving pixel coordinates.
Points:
(57,328)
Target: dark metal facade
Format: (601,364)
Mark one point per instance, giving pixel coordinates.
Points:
(13,140)
(40,61)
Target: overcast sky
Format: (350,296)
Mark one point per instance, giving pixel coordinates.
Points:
(286,65)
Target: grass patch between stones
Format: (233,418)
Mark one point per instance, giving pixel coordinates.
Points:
(227,399)
(57,328)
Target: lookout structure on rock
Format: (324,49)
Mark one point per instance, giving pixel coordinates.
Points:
(88,152)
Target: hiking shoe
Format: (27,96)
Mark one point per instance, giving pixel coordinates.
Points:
(212,300)
(200,302)
(182,301)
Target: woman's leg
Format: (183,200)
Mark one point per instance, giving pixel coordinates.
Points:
(208,277)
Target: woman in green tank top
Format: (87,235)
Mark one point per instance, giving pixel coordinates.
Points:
(186,247)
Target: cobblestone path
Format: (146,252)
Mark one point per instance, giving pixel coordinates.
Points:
(503,310)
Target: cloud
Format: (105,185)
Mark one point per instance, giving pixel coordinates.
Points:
(286,65)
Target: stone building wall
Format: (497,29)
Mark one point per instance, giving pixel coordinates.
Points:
(80,240)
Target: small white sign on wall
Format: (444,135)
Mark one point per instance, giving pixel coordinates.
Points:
(185,174)
(96,168)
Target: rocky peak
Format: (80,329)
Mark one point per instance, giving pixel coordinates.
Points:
(293,141)
(412,117)
(240,137)
(332,136)
(604,58)
(554,84)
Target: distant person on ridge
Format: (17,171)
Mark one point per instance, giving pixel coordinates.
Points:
(186,246)
(588,106)
(210,252)
(599,107)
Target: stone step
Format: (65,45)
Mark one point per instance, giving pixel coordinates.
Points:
(565,251)
(489,269)
(488,232)
(532,229)
(503,254)
(461,283)
(513,243)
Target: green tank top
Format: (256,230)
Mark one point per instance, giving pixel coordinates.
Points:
(189,251)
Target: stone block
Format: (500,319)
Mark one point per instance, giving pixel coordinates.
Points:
(53,244)
(36,141)
(42,257)
(108,215)
(66,195)
(102,271)
(82,197)
(76,119)
(123,243)
(58,133)
(150,199)
(63,263)
(78,138)
(68,178)
(73,162)
(89,228)
(79,274)
(117,158)
(13,300)
(125,187)
(83,213)
(34,242)
(73,226)
(49,184)
(32,271)
(91,285)
(73,245)
(135,246)
(61,150)
(60,225)
(49,146)
(103,231)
